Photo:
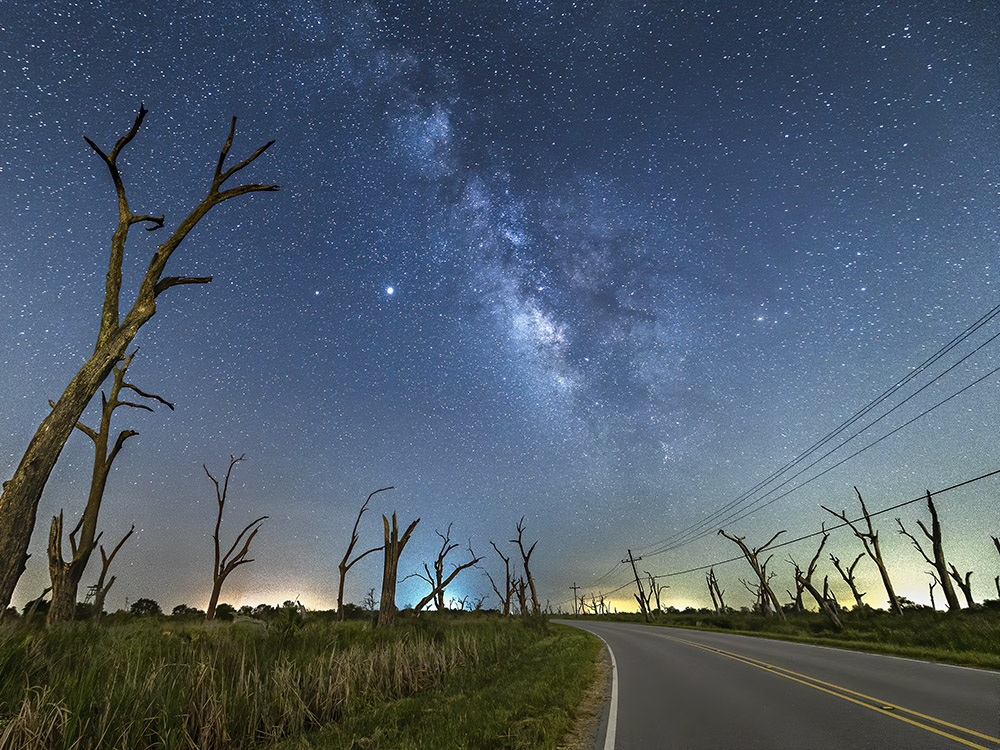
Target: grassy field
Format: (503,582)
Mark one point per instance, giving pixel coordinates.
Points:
(970,637)
(436,681)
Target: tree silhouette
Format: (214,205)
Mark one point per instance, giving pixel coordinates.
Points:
(65,574)
(22,492)
(227,563)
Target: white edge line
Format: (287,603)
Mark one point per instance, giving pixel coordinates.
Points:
(609,736)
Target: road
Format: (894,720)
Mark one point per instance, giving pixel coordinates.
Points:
(690,689)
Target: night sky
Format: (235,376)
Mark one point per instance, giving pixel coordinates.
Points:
(604,265)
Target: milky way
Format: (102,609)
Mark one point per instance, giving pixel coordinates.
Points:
(604,266)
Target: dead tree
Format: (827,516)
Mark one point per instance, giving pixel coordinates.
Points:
(934,582)
(807,576)
(825,605)
(848,577)
(104,584)
(937,549)
(392,549)
(525,557)
(344,564)
(65,574)
(715,592)
(753,557)
(227,563)
(439,581)
(521,589)
(505,598)
(965,584)
(22,492)
(759,604)
(655,589)
(869,539)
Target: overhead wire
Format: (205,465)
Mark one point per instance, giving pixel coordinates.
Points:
(757,504)
(696,530)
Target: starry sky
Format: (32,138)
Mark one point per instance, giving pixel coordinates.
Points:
(607,266)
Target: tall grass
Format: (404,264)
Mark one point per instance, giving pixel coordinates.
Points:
(158,684)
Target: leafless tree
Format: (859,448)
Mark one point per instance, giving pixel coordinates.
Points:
(825,605)
(525,557)
(655,589)
(760,603)
(521,589)
(22,492)
(508,595)
(370,601)
(65,574)
(805,577)
(931,586)
(753,557)
(715,592)
(964,583)
(104,584)
(438,581)
(937,549)
(227,563)
(869,540)
(848,576)
(344,564)
(392,549)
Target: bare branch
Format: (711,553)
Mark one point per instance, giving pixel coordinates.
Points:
(165,283)
(152,396)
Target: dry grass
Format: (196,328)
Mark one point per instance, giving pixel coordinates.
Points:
(154,684)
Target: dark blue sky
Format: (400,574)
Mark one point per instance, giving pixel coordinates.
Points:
(640,258)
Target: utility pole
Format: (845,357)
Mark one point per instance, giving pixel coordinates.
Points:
(641,597)
(575,588)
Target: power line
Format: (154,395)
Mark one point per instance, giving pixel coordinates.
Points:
(837,526)
(756,506)
(699,529)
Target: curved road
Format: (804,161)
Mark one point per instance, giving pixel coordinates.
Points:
(692,689)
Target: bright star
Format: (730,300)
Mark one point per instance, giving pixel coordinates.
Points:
(390,290)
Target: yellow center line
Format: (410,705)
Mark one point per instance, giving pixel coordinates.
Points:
(881,706)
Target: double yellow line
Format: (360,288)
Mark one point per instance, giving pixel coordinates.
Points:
(923,721)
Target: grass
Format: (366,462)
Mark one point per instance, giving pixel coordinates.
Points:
(156,683)
(525,701)
(969,637)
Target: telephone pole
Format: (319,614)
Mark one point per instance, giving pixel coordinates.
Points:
(641,596)
(575,588)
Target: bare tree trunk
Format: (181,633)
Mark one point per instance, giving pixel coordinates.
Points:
(716,592)
(101,588)
(520,588)
(848,577)
(824,603)
(22,492)
(752,557)
(344,564)
(711,591)
(439,582)
(870,542)
(505,598)
(525,557)
(66,575)
(227,563)
(392,549)
(965,584)
(938,561)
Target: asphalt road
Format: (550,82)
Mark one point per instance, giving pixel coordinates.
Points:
(689,689)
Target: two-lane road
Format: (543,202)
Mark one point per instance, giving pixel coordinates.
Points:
(691,689)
